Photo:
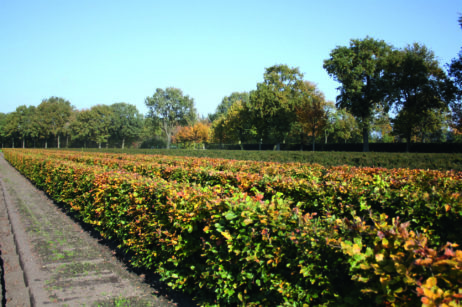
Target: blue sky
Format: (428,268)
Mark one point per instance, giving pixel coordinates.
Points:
(102,52)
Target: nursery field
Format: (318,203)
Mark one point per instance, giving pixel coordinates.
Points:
(435,161)
(237,232)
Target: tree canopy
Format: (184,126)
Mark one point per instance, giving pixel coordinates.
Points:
(385,95)
(311,112)
(170,108)
(227,102)
(418,86)
(359,68)
(53,113)
(273,102)
(126,122)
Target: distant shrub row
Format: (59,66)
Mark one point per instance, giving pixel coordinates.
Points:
(435,161)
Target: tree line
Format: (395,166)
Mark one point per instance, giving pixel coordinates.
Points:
(385,95)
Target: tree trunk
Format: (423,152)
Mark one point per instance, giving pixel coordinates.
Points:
(408,141)
(59,145)
(169,140)
(314,137)
(46,144)
(365,139)
(99,145)
(123,143)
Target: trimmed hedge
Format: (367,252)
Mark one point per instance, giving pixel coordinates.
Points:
(268,233)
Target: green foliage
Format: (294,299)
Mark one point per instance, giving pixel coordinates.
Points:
(94,124)
(227,102)
(126,122)
(389,260)
(259,233)
(418,88)
(359,68)
(272,103)
(21,123)
(170,108)
(442,162)
(455,72)
(52,115)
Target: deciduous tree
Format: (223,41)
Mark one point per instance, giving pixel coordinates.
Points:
(169,108)
(310,111)
(93,124)
(53,113)
(360,68)
(238,125)
(419,86)
(273,102)
(227,102)
(127,122)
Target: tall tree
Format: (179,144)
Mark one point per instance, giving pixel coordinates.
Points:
(22,122)
(169,108)
(3,134)
(419,85)
(455,72)
(218,129)
(238,123)
(227,102)
(10,128)
(331,112)
(310,112)
(345,126)
(93,125)
(53,114)
(381,126)
(273,102)
(127,122)
(359,68)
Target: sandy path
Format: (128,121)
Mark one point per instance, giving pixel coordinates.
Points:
(49,260)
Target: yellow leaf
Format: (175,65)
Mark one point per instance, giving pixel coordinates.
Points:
(227,235)
(459,255)
(379,257)
(385,280)
(385,242)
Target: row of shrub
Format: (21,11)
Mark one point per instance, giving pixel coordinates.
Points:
(353,147)
(270,235)
(435,161)
(314,188)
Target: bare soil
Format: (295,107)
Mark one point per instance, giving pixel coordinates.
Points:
(47,258)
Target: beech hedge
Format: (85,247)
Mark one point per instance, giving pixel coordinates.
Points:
(236,233)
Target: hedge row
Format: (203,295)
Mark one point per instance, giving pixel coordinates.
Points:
(431,200)
(254,245)
(436,161)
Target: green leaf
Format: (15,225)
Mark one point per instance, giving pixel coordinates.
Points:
(230,215)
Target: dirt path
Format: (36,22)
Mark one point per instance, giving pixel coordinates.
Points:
(49,260)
